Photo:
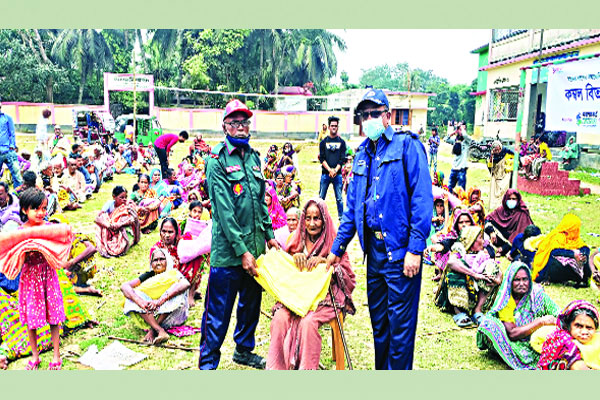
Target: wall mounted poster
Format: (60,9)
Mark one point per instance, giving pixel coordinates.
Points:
(573,102)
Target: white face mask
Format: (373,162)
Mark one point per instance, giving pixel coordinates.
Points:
(373,128)
(511,204)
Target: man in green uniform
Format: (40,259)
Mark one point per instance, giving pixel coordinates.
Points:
(241,227)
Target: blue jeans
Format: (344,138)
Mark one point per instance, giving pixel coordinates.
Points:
(224,285)
(338,183)
(393,305)
(433,161)
(457,176)
(12,162)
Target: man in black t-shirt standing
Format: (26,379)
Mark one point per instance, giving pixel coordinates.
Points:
(332,155)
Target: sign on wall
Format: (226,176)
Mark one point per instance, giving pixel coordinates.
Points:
(124,82)
(573,102)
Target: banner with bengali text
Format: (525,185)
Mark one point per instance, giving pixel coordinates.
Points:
(573,99)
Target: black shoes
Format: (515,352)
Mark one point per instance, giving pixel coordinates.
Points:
(249,359)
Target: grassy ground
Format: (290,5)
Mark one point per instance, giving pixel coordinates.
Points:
(439,344)
(584,175)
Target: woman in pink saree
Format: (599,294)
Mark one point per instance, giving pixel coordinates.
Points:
(189,179)
(295,341)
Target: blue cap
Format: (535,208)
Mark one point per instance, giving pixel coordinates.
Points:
(377,96)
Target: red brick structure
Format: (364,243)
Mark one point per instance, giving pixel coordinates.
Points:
(552,182)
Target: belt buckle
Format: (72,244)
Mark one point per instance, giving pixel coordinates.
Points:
(378,235)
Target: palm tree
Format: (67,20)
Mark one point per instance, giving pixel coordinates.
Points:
(170,44)
(315,59)
(85,49)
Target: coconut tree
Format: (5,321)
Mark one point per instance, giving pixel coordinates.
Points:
(85,49)
(315,59)
(170,44)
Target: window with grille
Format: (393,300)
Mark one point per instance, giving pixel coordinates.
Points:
(501,34)
(503,104)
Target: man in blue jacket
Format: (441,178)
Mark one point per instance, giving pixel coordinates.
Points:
(389,204)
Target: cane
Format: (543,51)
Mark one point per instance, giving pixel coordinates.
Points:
(337,318)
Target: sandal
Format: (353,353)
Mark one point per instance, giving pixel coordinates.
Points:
(462,320)
(477,317)
(32,366)
(55,366)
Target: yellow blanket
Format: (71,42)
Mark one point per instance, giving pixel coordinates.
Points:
(156,286)
(299,291)
(589,352)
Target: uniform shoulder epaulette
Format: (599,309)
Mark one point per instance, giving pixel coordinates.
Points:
(216,150)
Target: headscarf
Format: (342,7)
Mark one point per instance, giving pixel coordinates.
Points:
(170,262)
(572,149)
(480,214)
(560,350)
(472,191)
(453,226)
(440,178)
(564,236)
(346,280)
(561,320)
(160,187)
(196,192)
(276,211)
(528,305)
(289,154)
(462,195)
(172,249)
(545,151)
(511,222)
(468,235)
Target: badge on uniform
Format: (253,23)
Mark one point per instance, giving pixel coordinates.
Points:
(233,168)
(361,163)
(238,189)
(215,156)
(256,168)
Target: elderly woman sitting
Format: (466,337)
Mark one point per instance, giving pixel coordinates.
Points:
(508,220)
(521,308)
(570,154)
(561,255)
(295,341)
(469,279)
(158,297)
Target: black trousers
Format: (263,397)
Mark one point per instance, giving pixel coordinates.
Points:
(162,157)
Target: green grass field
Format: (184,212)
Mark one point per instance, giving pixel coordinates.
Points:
(439,345)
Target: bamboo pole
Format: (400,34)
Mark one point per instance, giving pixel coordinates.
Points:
(166,346)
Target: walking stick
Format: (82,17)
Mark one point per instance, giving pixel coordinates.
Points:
(491,181)
(337,318)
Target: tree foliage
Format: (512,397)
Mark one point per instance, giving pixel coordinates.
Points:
(452,102)
(67,66)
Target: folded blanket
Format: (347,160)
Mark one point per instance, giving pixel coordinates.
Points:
(298,291)
(52,241)
(200,242)
(438,193)
(183,331)
(281,235)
